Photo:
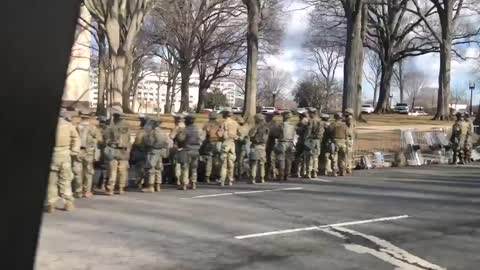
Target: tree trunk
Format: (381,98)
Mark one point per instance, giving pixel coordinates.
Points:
(250,108)
(385,86)
(353,52)
(185,72)
(117,68)
(102,74)
(202,97)
(375,94)
(168,107)
(413,103)
(127,84)
(443,98)
(359,66)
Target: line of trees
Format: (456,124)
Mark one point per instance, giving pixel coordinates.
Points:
(215,38)
(393,31)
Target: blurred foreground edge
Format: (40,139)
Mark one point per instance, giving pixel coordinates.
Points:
(34,52)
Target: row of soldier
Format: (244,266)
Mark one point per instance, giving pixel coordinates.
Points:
(272,151)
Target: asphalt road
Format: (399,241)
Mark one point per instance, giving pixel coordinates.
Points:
(408,218)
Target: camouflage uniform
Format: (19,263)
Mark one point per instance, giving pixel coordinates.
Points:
(301,129)
(211,147)
(313,139)
(242,146)
(103,160)
(118,144)
(349,121)
(257,157)
(139,154)
(328,148)
(156,144)
(67,145)
(468,141)
(340,134)
(229,131)
(460,133)
(178,129)
(272,136)
(189,142)
(284,148)
(88,145)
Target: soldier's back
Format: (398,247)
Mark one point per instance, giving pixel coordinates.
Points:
(339,130)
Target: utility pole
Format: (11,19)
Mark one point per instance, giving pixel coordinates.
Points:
(472,87)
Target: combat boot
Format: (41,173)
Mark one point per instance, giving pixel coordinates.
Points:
(148,189)
(349,171)
(194,185)
(69,206)
(314,174)
(334,174)
(88,195)
(121,190)
(342,173)
(49,209)
(221,184)
(157,188)
(77,195)
(109,192)
(183,187)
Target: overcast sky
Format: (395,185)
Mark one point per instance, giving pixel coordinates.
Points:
(291,55)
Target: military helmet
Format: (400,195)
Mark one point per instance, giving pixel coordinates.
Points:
(466,114)
(325,116)
(227,110)
(459,114)
(178,117)
(349,111)
(287,113)
(259,117)
(312,110)
(212,116)
(338,115)
(240,120)
(190,117)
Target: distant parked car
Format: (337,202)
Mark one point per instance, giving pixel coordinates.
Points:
(269,110)
(207,111)
(418,111)
(237,110)
(367,108)
(401,108)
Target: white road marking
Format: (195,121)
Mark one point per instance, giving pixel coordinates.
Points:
(244,192)
(241,237)
(457,166)
(321,180)
(383,250)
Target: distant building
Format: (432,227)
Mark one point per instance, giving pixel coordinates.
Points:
(152,93)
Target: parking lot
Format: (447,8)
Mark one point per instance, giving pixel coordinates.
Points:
(408,218)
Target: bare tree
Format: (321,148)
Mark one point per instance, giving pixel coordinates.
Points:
(446,30)
(121,20)
(373,74)
(414,83)
(258,12)
(273,84)
(327,60)
(399,76)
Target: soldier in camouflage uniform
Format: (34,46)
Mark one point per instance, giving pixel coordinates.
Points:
(340,135)
(257,156)
(284,149)
(103,160)
(272,137)
(156,146)
(313,139)
(228,132)
(67,146)
(189,142)
(89,136)
(328,148)
(468,141)
(118,141)
(350,122)
(460,133)
(179,128)
(301,129)
(242,146)
(212,146)
(139,154)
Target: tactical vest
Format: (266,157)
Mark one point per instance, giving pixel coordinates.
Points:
(87,136)
(288,132)
(156,139)
(261,135)
(340,131)
(63,137)
(212,131)
(316,129)
(193,135)
(230,131)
